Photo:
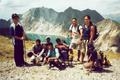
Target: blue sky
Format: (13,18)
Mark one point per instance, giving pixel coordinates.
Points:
(7,7)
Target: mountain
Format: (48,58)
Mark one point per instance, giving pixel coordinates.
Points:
(49,22)
(109,38)
(4,27)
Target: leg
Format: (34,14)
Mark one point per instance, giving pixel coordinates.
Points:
(71,57)
(88,65)
(78,59)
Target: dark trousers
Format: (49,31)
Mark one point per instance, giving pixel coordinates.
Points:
(19,53)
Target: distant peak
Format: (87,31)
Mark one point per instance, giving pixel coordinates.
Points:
(69,8)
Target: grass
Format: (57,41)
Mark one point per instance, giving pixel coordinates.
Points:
(112,55)
(6,48)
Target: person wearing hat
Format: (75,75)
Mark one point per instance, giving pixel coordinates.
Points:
(17,34)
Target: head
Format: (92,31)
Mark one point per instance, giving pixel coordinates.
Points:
(58,41)
(15,18)
(44,46)
(38,42)
(50,47)
(74,21)
(87,20)
(48,39)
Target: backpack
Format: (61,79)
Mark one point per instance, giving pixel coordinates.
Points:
(96,32)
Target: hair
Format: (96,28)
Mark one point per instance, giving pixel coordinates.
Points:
(74,18)
(38,40)
(14,16)
(48,38)
(87,16)
(58,40)
(89,19)
(51,45)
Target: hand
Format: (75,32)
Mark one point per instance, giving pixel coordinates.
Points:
(90,42)
(22,38)
(79,42)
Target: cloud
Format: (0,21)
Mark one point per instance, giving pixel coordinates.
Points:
(7,7)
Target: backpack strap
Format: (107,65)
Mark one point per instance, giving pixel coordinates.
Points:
(77,28)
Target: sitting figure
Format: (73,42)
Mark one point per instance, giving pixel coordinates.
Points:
(92,57)
(52,58)
(63,50)
(36,51)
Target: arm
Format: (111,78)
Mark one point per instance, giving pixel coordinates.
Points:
(57,53)
(41,52)
(89,57)
(70,31)
(48,53)
(20,38)
(81,34)
(33,49)
(92,32)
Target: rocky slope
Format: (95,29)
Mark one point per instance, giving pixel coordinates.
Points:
(109,38)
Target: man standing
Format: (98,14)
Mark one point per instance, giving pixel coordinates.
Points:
(17,34)
(76,37)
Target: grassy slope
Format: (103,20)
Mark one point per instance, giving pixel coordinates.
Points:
(6,49)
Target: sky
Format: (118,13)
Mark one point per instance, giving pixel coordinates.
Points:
(104,7)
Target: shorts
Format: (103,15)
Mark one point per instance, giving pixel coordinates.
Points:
(84,46)
(75,44)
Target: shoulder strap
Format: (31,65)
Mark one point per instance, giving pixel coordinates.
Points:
(77,28)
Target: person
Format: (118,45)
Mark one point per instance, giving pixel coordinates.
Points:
(52,54)
(52,58)
(90,64)
(63,50)
(17,34)
(48,41)
(88,31)
(75,34)
(46,45)
(36,52)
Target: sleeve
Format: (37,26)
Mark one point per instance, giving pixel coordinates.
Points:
(33,48)
(70,28)
(48,54)
(57,52)
(80,27)
(41,52)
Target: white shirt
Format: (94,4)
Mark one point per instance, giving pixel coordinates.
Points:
(75,33)
(56,51)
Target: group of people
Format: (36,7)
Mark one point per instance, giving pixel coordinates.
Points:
(60,55)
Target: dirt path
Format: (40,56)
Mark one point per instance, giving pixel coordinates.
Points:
(8,71)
